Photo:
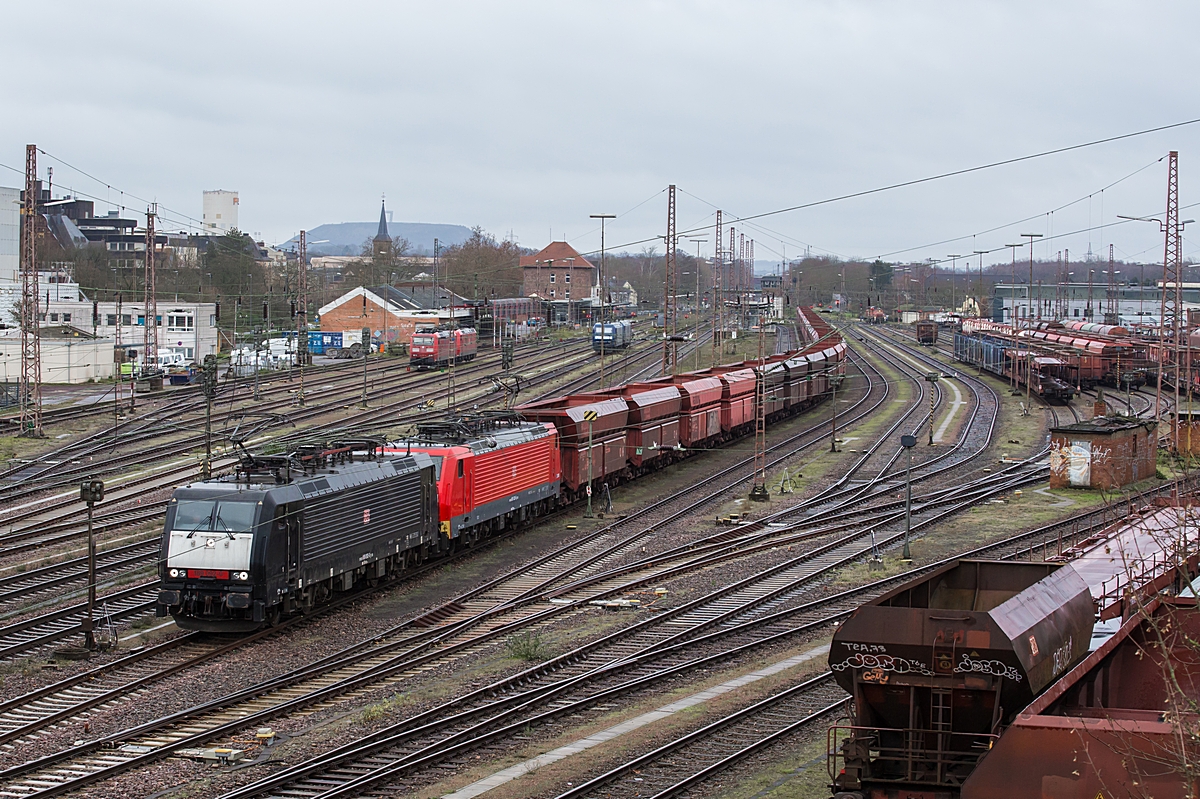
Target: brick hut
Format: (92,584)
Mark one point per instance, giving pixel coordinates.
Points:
(1105,452)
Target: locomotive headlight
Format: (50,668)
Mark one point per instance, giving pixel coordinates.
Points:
(243,576)
(173,572)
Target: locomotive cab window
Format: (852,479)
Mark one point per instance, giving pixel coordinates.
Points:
(194,514)
(235,517)
(460,468)
(205,514)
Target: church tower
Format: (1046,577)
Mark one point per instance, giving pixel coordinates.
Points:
(382,243)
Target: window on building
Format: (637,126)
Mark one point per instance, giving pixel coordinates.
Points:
(567,294)
(567,277)
(53,317)
(141,320)
(110,319)
(127,319)
(66,317)
(157,321)
(212,320)
(191,321)
(551,293)
(43,317)
(187,352)
(551,277)
(1076,312)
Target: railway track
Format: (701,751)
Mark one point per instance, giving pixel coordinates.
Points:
(451,611)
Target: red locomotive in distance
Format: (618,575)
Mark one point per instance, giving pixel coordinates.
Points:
(435,348)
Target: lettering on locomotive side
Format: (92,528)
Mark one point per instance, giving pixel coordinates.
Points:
(366,515)
(1033,647)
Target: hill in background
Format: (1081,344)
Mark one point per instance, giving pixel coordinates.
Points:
(347,238)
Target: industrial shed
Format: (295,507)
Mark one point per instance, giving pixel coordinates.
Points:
(1105,452)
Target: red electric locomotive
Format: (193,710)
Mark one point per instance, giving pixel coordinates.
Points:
(441,347)
(493,470)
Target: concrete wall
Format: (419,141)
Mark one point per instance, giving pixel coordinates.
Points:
(63,360)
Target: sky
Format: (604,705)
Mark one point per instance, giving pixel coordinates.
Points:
(526,117)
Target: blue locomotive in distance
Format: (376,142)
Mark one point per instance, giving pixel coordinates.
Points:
(615,335)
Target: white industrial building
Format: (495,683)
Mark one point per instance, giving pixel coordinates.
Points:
(220,211)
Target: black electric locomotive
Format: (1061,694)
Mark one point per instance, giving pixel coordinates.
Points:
(283,533)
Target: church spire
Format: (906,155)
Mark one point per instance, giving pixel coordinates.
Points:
(382,241)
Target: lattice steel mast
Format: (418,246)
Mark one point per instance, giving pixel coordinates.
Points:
(1172,291)
(31,317)
(150,331)
(668,352)
(302,313)
(718,297)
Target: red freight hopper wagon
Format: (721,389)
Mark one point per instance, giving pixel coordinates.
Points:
(577,417)
(653,429)
(492,471)
(700,404)
(441,347)
(939,665)
(737,395)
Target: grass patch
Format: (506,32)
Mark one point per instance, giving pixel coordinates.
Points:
(866,572)
(383,709)
(527,646)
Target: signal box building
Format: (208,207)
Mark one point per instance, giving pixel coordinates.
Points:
(1105,452)
(558,272)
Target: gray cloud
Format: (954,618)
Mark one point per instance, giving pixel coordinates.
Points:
(529,116)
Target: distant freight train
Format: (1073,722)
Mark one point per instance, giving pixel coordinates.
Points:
(1042,373)
(284,533)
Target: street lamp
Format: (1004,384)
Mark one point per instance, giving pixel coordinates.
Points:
(600,280)
(1029,291)
(979,291)
(953,274)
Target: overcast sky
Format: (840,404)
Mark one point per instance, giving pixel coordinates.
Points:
(526,117)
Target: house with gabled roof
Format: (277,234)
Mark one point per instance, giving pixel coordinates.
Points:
(558,272)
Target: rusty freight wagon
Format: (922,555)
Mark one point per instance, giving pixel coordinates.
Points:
(1101,729)
(927,332)
(937,666)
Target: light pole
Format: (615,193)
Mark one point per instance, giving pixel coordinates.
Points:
(603,286)
(1029,291)
(1013,319)
(908,442)
(696,348)
(953,274)
(979,290)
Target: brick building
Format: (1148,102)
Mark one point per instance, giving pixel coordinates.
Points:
(558,272)
(1105,452)
(393,314)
